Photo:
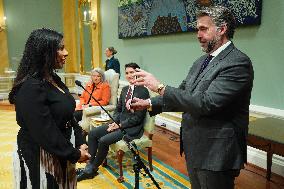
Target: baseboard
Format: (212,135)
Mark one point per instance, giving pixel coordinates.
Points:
(266,111)
(168,124)
(258,157)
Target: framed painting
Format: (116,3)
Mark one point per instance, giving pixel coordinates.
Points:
(140,18)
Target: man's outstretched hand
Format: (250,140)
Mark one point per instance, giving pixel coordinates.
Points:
(139,104)
(146,79)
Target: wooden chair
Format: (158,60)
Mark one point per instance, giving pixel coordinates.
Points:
(144,142)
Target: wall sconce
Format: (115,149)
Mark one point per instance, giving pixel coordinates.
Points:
(3,24)
(87,16)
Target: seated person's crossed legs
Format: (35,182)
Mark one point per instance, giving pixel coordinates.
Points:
(99,140)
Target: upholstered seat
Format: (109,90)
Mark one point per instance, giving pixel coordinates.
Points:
(141,143)
(113,79)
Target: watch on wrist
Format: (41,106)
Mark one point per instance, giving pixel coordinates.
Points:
(160,87)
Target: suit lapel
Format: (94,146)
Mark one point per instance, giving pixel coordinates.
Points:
(211,65)
(195,73)
(123,95)
(136,91)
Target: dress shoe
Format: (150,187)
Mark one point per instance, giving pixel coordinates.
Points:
(79,170)
(84,175)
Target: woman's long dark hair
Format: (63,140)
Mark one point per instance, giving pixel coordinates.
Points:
(38,59)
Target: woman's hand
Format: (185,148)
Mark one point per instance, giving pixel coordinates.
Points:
(85,156)
(85,106)
(84,147)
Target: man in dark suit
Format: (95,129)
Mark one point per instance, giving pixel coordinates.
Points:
(214,99)
(132,122)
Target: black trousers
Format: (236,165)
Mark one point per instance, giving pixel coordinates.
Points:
(205,179)
(99,140)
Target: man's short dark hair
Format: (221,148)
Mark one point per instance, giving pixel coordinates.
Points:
(132,65)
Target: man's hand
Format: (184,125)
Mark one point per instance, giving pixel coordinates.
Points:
(146,79)
(112,127)
(128,106)
(139,104)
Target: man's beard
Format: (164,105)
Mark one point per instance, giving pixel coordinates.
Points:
(211,44)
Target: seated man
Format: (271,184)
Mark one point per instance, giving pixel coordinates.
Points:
(99,89)
(132,122)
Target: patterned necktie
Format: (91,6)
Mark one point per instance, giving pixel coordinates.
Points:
(205,63)
(128,95)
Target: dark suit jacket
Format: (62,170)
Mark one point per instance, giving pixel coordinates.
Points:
(113,63)
(132,122)
(216,110)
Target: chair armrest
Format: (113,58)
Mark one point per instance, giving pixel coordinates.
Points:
(90,112)
(96,110)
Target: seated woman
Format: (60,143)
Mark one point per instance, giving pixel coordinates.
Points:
(99,89)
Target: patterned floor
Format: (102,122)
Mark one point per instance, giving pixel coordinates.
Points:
(8,133)
(166,176)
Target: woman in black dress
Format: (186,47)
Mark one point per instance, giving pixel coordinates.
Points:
(44,112)
(111,62)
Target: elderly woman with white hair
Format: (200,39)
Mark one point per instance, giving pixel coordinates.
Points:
(99,89)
